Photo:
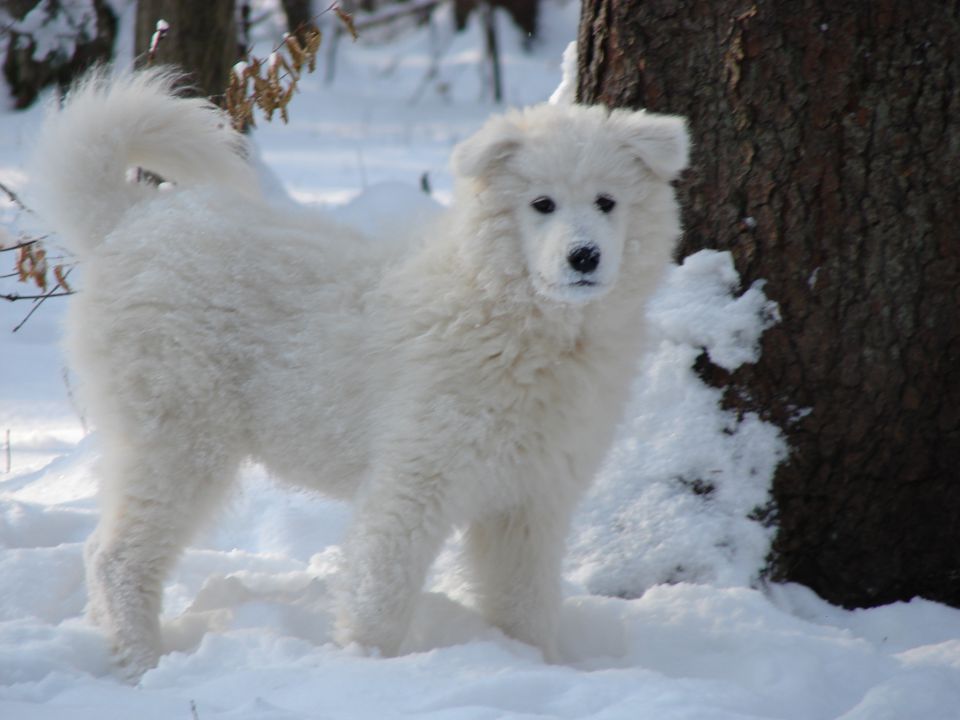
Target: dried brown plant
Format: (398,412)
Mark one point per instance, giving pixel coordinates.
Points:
(270,83)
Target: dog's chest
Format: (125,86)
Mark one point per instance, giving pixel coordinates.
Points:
(539,421)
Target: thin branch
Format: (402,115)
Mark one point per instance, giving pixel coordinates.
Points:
(30,314)
(160,32)
(14,198)
(307,24)
(14,297)
(23,244)
(40,300)
(310,21)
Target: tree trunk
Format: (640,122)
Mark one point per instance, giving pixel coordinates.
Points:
(524,13)
(202,40)
(300,16)
(63,41)
(827,161)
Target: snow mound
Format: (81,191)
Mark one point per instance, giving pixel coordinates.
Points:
(682,495)
(698,307)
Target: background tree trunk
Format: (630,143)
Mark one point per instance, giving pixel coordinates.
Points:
(300,16)
(525,13)
(202,40)
(827,161)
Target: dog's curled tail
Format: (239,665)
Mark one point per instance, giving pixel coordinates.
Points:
(80,180)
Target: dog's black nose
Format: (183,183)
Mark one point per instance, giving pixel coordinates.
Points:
(584,259)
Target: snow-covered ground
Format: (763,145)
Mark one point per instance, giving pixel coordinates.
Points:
(664,616)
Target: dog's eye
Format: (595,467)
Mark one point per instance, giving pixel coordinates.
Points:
(605,203)
(544,205)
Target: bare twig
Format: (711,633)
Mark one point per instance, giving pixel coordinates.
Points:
(30,314)
(40,300)
(14,297)
(163,27)
(310,22)
(65,374)
(23,244)
(14,198)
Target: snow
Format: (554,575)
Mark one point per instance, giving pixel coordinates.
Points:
(566,92)
(665,616)
(683,493)
(162,28)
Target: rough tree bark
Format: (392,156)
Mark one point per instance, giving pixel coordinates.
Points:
(202,40)
(827,161)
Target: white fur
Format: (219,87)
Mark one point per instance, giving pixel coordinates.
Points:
(462,380)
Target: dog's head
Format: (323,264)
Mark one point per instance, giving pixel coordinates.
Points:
(578,181)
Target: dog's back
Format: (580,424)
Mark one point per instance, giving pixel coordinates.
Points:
(197,297)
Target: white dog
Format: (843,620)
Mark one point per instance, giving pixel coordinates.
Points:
(471,378)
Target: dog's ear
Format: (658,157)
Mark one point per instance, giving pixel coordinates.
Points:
(661,142)
(490,146)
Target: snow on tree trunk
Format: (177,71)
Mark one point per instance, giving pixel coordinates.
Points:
(827,161)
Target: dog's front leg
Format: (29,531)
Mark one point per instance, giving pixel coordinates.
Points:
(400,524)
(515,562)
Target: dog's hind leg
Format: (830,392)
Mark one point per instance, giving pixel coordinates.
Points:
(514,559)
(152,504)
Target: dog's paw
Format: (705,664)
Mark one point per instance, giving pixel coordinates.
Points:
(373,609)
(357,650)
(134,655)
(366,643)
(370,637)
(131,661)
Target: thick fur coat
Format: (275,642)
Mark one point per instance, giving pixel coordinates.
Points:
(469,378)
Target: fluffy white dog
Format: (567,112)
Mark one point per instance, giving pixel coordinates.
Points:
(470,378)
